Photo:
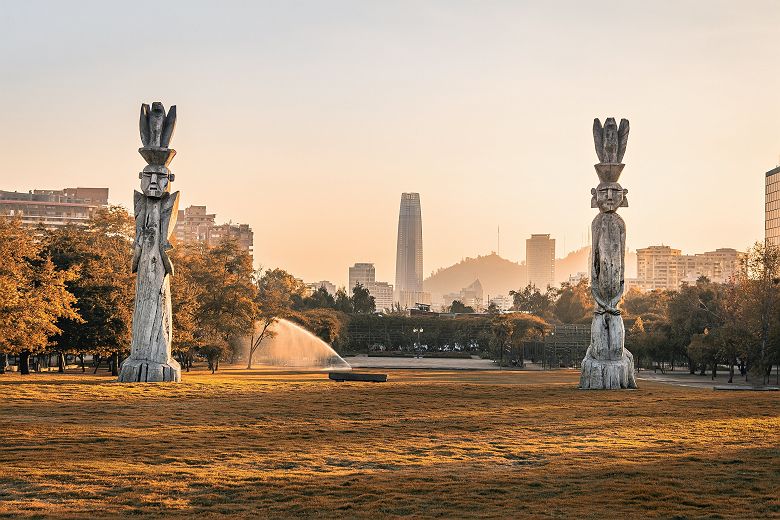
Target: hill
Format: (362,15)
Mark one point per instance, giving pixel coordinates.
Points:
(497,276)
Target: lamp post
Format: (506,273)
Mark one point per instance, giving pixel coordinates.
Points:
(417,345)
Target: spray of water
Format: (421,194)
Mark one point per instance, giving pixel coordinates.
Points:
(292,346)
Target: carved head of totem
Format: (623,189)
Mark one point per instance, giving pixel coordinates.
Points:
(608,197)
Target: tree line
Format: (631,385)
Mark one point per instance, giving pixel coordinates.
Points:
(702,326)
(69,292)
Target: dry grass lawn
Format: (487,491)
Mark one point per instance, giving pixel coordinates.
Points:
(425,444)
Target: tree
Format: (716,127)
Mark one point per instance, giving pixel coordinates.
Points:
(327,324)
(510,331)
(693,309)
(635,339)
(502,328)
(573,303)
(276,293)
(758,285)
(343,302)
(533,301)
(33,294)
(362,301)
(226,303)
(101,253)
(703,352)
(319,299)
(458,307)
(185,298)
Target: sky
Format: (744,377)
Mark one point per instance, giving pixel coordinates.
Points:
(308,119)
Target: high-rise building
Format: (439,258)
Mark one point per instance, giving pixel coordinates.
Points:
(324,284)
(364,273)
(195,224)
(242,234)
(659,267)
(664,268)
(361,273)
(53,208)
(540,261)
(772,207)
(383,295)
(409,256)
(470,296)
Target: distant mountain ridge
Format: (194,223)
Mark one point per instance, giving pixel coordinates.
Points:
(499,275)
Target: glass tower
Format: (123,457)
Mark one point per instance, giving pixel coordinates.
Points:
(772,207)
(409,257)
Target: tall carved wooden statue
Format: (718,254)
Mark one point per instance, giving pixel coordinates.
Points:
(608,364)
(156,210)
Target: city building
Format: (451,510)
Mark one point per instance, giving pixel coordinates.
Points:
(540,261)
(53,208)
(659,267)
(325,284)
(383,295)
(364,273)
(195,224)
(242,234)
(664,268)
(361,273)
(772,207)
(470,296)
(504,302)
(409,299)
(409,256)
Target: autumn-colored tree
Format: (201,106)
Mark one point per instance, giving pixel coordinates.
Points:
(33,294)
(533,301)
(185,296)
(225,298)
(510,331)
(277,291)
(327,324)
(101,253)
(574,303)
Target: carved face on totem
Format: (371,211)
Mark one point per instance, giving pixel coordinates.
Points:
(154,184)
(609,196)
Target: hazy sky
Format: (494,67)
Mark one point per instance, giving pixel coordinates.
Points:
(307,119)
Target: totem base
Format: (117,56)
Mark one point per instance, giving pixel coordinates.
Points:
(600,374)
(145,371)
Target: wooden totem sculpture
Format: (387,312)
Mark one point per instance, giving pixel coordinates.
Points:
(608,364)
(156,210)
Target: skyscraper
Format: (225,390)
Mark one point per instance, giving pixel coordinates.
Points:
(362,273)
(772,207)
(365,275)
(540,261)
(409,257)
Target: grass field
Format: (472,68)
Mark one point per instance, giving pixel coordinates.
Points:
(424,444)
